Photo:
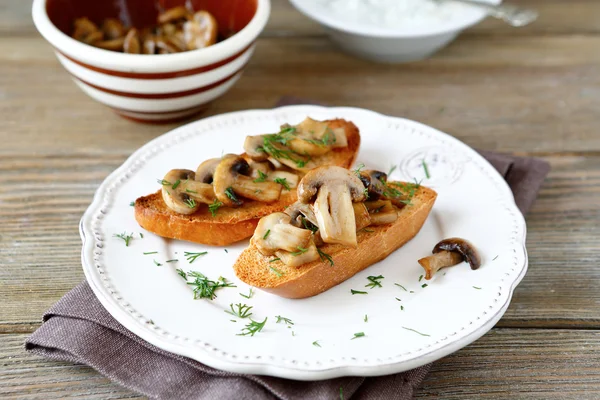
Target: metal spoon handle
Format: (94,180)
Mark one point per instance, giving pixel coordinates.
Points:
(513,15)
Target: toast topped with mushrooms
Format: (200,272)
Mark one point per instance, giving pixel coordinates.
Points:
(222,201)
(343,222)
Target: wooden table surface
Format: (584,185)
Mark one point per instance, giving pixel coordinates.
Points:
(531,91)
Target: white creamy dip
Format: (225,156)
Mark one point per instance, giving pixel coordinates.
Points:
(390,14)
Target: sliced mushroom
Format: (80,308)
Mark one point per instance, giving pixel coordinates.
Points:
(259,169)
(382,212)
(173,14)
(83,28)
(274,233)
(93,38)
(148,45)
(113,29)
(299,211)
(462,246)
(450,252)
(309,146)
(336,188)
(443,259)
(361,216)
(200,31)
(114,44)
(276,164)
(253,147)
(165,46)
(173,193)
(290,179)
(374,182)
(206,170)
(341,140)
(300,256)
(230,179)
(132,42)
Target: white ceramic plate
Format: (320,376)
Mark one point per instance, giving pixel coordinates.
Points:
(405,329)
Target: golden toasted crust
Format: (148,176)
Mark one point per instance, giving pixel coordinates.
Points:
(313,278)
(230,225)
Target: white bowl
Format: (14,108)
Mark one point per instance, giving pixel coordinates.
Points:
(409,43)
(153,88)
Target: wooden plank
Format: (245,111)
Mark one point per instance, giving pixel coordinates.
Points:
(40,241)
(532,103)
(24,376)
(556,17)
(503,364)
(520,364)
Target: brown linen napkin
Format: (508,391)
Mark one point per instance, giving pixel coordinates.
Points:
(78,329)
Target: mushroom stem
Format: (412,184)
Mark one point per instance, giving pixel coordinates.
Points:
(443,259)
(361,216)
(298,258)
(262,191)
(382,212)
(335,214)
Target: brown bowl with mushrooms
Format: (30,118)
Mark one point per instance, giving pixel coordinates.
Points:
(153,61)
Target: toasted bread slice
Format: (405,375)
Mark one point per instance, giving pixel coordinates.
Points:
(374,244)
(230,225)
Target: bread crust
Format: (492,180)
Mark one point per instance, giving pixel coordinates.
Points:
(318,276)
(231,225)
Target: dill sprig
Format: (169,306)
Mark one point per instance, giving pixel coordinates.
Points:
(327,139)
(125,237)
(413,330)
(151,252)
(191,203)
(301,250)
(358,335)
(214,207)
(232,196)
(181,273)
(261,177)
(309,225)
(392,169)
(285,320)
(375,281)
(399,285)
(191,257)
(316,343)
(325,257)
(357,292)
(283,182)
(366,318)
(283,137)
(425,168)
(249,295)
(205,288)
(240,311)
(157,263)
(275,270)
(177,182)
(266,234)
(404,191)
(358,169)
(252,328)
(164,183)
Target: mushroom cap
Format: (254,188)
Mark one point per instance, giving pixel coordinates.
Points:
(310,184)
(206,170)
(253,147)
(374,182)
(300,209)
(224,177)
(461,246)
(175,198)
